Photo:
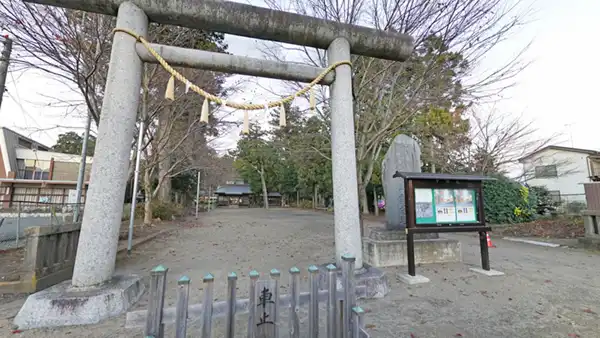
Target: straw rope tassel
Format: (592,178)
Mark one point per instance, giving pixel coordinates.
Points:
(282,122)
(246,128)
(170,92)
(313,104)
(204,115)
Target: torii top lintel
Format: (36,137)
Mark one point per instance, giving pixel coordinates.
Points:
(257,22)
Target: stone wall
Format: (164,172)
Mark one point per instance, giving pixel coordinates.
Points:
(49,258)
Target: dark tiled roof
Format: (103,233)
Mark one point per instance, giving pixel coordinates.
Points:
(239,189)
(234,189)
(560,148)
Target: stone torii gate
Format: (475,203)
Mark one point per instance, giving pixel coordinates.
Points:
(94,293)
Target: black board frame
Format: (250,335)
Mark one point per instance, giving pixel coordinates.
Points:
(414,181)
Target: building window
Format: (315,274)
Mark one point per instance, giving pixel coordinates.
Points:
(545,171)
(24,143)
(33,169)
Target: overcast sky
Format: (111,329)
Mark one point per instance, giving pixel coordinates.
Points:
(558,91)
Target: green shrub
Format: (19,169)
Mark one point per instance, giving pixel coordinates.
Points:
(305,204)
(507,201)
(545,204)
(164,211)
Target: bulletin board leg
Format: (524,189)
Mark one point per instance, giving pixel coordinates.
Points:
(410,245)
(485,255)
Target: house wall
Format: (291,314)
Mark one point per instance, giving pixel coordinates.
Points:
(11,142)
(68,171)
(572,169)
(3,171)
(30,154)
(8,142)
(65,166)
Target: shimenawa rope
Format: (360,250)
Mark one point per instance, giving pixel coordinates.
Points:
(169,94)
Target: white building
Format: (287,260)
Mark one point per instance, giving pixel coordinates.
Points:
(562,170)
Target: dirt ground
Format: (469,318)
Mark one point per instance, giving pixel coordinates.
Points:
(546,292)
(11,262)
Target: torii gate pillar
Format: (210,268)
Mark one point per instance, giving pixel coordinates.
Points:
(94,293)
(343,157)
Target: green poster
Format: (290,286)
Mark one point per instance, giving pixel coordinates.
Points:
(445,206)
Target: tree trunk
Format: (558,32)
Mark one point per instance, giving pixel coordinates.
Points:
(297,199)
(264,187)
(432,154)
(315,196)
(148,197)
(375,202)
(164,164)
(364,202)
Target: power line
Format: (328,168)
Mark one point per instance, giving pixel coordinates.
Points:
(17,100)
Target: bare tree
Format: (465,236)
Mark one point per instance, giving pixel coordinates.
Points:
(499,141)
(72,47)
(451,39)
(176,141)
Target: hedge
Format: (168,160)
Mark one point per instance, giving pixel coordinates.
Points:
(507,201)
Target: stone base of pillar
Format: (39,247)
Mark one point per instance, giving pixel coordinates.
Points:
(590,242)
(380,234)
(64,305)
(375,280)
(385,248)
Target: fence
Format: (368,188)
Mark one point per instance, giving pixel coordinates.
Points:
(344,319)
(572,204)
(49,258)
(23,215)
(36,195)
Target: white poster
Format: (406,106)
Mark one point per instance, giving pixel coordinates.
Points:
(423,203)
(465,208)
(445,212)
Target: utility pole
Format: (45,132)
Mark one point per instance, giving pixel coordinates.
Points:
(4,60)
(198,192)
(81,174)
(136,180)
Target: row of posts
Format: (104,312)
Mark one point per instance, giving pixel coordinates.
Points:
(344,317)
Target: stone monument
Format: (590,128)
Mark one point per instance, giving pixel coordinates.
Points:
(387,247)
(404,155)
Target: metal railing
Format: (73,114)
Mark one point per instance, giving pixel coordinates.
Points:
(22,215)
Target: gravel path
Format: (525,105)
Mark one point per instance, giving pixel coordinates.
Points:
(547,292)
